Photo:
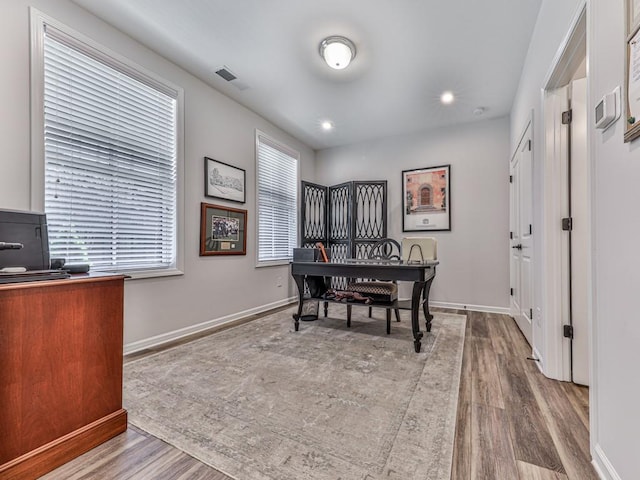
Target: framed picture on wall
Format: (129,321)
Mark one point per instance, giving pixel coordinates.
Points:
(426,199)
(224,181)
(632,72)
(223,230)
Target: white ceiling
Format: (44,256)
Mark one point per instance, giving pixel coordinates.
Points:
(408,53)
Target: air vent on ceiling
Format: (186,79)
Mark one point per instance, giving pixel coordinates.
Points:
(225,73)
(230,77)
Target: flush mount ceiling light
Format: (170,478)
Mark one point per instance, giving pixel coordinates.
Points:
(337,51)
(327,125)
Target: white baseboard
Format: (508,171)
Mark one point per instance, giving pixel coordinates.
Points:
(475,308)
(603,466)
(540,362)
(201,327)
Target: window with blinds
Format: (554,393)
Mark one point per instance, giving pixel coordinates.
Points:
(110,150)
(277,197)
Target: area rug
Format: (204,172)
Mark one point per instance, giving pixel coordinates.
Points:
(263,402)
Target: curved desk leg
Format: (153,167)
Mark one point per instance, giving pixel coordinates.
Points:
(418,287)
(299,279)
(425,304)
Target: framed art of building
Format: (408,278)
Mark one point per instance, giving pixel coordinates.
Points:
(426,199)
(224,181)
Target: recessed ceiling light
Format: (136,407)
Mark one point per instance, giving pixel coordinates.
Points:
(327,125)
(478,111)
(447,98)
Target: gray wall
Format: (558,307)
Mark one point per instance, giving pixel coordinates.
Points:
(615,176)
(616,173)
(474,256)
(215,126)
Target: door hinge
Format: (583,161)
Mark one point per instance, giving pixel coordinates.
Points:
(529,145)
(568,331)
(510,178)
(566,117)
(511,292)
(531,314)
(510,235)
(567,224)
(530,229)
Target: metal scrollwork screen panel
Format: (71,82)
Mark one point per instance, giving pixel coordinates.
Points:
(340,212)
(370,210)
(314,212)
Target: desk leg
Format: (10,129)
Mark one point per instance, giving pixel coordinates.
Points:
(418,287)
(299,279)
(425,304)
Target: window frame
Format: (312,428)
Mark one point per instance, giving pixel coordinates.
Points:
(296,155)
(39,21)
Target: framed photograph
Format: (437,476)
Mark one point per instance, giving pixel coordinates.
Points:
(426,199)
(224,181)
(632,72)
(223,230)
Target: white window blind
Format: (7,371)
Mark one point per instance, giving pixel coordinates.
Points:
(277,200)
(110,160)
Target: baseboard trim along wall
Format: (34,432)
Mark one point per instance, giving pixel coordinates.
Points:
(201,327)
(475,308)
(603,466)
(540,362)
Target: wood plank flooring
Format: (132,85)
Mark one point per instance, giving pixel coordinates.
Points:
(512,423)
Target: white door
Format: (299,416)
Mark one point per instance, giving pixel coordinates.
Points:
(580,232)
(521,234)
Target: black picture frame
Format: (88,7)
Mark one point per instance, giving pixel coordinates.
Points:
(224,181)
(631,84)
(426,199)
(223,230)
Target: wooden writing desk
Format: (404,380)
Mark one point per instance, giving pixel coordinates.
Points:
(420,274)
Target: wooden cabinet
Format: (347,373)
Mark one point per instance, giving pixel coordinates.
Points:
(60,371)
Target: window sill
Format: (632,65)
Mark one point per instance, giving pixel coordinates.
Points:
(139,274)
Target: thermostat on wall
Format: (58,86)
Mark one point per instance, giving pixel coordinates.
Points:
(608,109)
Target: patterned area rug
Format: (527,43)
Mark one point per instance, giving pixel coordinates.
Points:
(261,401)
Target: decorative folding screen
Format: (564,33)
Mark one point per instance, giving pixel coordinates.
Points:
(348,218)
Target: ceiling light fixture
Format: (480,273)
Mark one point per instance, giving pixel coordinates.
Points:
(327,125)
(337,51)
(447,98)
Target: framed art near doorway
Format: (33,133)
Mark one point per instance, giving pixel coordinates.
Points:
(426,199)
(632,71)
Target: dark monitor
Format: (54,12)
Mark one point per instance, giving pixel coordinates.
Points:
(24,241)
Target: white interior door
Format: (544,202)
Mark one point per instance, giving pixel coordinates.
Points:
(580,233)
(522,236)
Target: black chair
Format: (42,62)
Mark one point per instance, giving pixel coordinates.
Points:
(380,292)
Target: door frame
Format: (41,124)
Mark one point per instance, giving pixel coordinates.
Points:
(555,194)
